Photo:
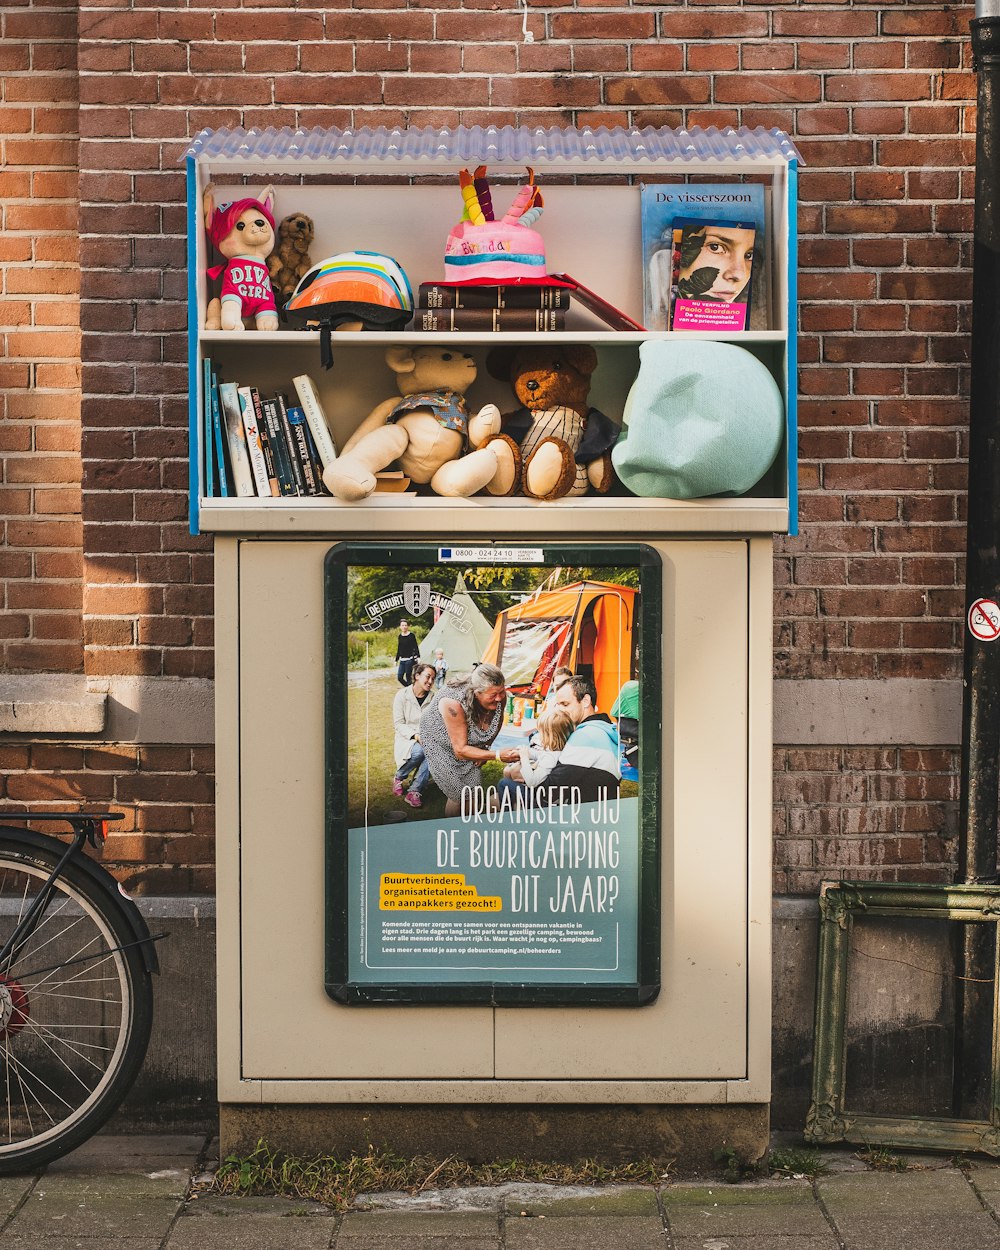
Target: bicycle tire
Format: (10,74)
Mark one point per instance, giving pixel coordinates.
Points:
(67,1058)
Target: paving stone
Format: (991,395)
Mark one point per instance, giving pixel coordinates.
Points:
(229,1207)
(158,1183)
(251,1231)
(43,1242)
(113,1153)
(771,1209)
(78,1215)
(829,1242)
(963,1231)
(600,1203)
(583,1232)
(389,1225)
(416,1242)
(904,1194)
(880,1211)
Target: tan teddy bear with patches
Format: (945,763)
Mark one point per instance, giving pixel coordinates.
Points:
(427,432)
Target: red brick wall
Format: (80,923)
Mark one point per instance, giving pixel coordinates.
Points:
(879,98)
(41,561)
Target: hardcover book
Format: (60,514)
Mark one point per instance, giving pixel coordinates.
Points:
(741,205)
(479,295)
(285,473)
(495,319)
(319,426)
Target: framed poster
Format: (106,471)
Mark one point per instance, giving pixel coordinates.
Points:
(492,764)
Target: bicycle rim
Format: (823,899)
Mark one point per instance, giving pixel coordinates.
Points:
(74,1013)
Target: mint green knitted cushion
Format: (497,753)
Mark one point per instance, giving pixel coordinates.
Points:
(701,418)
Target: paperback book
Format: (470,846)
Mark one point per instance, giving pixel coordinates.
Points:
(711,274)
(731,206)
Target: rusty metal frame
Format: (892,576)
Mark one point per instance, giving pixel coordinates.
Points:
(827,1120)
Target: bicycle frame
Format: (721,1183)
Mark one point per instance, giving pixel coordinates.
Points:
(87,827)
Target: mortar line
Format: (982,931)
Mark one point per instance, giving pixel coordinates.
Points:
(198,1166)
(502,1222)
(661,1206)
(20,1206)
(982,1201)
(814,1186)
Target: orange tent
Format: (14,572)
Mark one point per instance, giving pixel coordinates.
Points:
(585,626)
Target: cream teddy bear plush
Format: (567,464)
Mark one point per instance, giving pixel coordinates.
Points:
(427,431)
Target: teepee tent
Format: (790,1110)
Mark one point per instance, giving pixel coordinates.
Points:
(462,635)
(586,626)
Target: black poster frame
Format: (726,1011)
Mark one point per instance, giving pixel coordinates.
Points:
(645,988)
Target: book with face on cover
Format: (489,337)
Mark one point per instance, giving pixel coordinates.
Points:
(664,207)
(711,269)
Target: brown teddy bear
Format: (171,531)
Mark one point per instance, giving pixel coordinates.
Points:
(427,431)
(563,446)
(290,258)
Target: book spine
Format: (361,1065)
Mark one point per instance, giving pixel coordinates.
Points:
(208,454)
(433,295)
(314,456)
(305,388)
(221,459)
(289,459)
(295,419)
(495,319)
(239,457)
(255,448)
(265,443)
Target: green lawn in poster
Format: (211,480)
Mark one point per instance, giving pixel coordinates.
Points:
(447,881)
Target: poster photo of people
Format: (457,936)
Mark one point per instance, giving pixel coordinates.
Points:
(488,758)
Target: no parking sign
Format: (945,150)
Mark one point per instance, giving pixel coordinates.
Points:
(984,620)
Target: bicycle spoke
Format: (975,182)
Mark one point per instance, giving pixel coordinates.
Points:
(34,1075)
(71,1045)
(48,1045)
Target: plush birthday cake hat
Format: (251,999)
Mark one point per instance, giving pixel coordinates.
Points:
(482,249)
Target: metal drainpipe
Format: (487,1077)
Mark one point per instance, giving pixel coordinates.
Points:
(981,703)
(980,768)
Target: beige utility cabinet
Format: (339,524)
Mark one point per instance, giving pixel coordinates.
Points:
(705,1039)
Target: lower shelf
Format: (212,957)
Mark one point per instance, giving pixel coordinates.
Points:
(488,517)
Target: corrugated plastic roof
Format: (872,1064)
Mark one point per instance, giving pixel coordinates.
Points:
(492,144)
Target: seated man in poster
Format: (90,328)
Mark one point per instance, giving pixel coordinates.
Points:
(590,761)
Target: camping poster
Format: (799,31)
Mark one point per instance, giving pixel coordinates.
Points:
(486,754)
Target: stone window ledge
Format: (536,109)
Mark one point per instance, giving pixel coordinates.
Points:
(52,703)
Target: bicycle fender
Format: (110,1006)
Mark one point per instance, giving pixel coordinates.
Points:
(33,841)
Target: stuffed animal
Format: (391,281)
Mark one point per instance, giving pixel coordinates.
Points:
(243,232)
(427,431)
(563,444)
(290,259)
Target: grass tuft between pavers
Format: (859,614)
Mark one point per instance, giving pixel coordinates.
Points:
(336,1182)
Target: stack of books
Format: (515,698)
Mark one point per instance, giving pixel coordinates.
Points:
(511,306)
(262,446)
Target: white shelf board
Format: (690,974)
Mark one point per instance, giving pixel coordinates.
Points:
(489,517)
(373,338)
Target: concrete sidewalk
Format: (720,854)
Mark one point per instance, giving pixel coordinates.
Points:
(149,1193)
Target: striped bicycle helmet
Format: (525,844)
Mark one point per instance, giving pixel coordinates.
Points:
(352,286)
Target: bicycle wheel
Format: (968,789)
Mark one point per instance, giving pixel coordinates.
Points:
(75,1010)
